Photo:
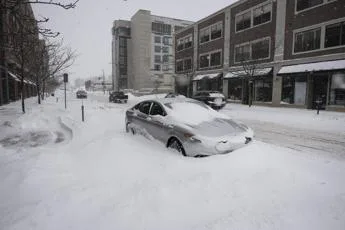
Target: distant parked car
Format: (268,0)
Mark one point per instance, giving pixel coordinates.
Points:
(174,95)
(118,97)
(81,94)
(187,125)
(214,99)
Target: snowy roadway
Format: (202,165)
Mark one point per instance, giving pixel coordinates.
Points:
(320,135)
(100,177)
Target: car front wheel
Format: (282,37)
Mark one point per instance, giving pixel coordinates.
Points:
(176,144)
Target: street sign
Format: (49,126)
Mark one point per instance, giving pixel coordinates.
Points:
(65,77)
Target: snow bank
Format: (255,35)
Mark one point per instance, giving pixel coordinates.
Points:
(105,178)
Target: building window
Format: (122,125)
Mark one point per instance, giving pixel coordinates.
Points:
(216,59)
(262,14)
(165,49)
(165,58)
(167,40)
(188,64)
(157,67)
(335,35)
(180,44)
(263,89)
(242,53)
(157,49)
(294,90)
(216,31)
(165,68)
(337,91)
(204,35)
(179,66)
(157,39)
(188,42)
(243,21)
(204,61)
(305,4)
(158,59)
(307,40)
(260,49)
(161,28)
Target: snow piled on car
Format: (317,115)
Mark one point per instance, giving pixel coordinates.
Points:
(192,113)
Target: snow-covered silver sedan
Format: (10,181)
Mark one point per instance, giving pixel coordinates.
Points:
(187,125)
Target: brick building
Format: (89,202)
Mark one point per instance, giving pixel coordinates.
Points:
(279,53)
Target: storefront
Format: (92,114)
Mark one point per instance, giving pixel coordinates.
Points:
(315,84)
(208,82)
(243,87)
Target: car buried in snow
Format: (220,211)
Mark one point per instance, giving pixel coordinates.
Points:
(187,125)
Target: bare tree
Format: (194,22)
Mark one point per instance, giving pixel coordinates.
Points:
(60,58)
(20,34)
(251,56)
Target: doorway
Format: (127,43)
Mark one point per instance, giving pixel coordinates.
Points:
(320,91)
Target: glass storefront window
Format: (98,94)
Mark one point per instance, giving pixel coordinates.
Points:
(263,89)
(294,90)
(337,91)
(235,89)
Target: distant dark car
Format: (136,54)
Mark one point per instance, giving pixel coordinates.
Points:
(118,97)
(174,95)
(81,94)
(214,99)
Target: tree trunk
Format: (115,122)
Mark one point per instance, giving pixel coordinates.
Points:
(22,93)
(38,94)
(43,88)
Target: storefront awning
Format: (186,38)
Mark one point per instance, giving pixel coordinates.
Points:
(15,77)
(202,76)
(242,73)
(318,66)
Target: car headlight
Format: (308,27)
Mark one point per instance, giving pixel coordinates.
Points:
(191,138)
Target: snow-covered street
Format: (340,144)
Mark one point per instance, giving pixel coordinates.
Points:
(94,175)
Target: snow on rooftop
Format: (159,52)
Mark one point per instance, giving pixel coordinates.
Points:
(317,66)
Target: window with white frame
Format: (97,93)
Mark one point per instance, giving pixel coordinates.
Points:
(180,44)
(216,59)
(179,66)
(158,59)
(242,53)
(188,42)
(204,35)
(157,39)
(165,49)
(157,49)
(262,14)
(335,35)
(243,21)
(165,58)
(260,49)
(307,40)
(187,64)
(157,67)
(211,32)
(306,4)
(204,61)
(216,30)
(167,40)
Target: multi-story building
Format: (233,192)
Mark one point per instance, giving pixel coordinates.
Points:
(143,51)
(279,53)
(13,36)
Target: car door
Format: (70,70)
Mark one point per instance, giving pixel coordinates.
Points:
(142,117)
(159,127)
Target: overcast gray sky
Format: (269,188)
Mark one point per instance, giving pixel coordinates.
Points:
(87,28)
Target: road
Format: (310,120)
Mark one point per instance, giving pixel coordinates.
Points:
(305,141)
